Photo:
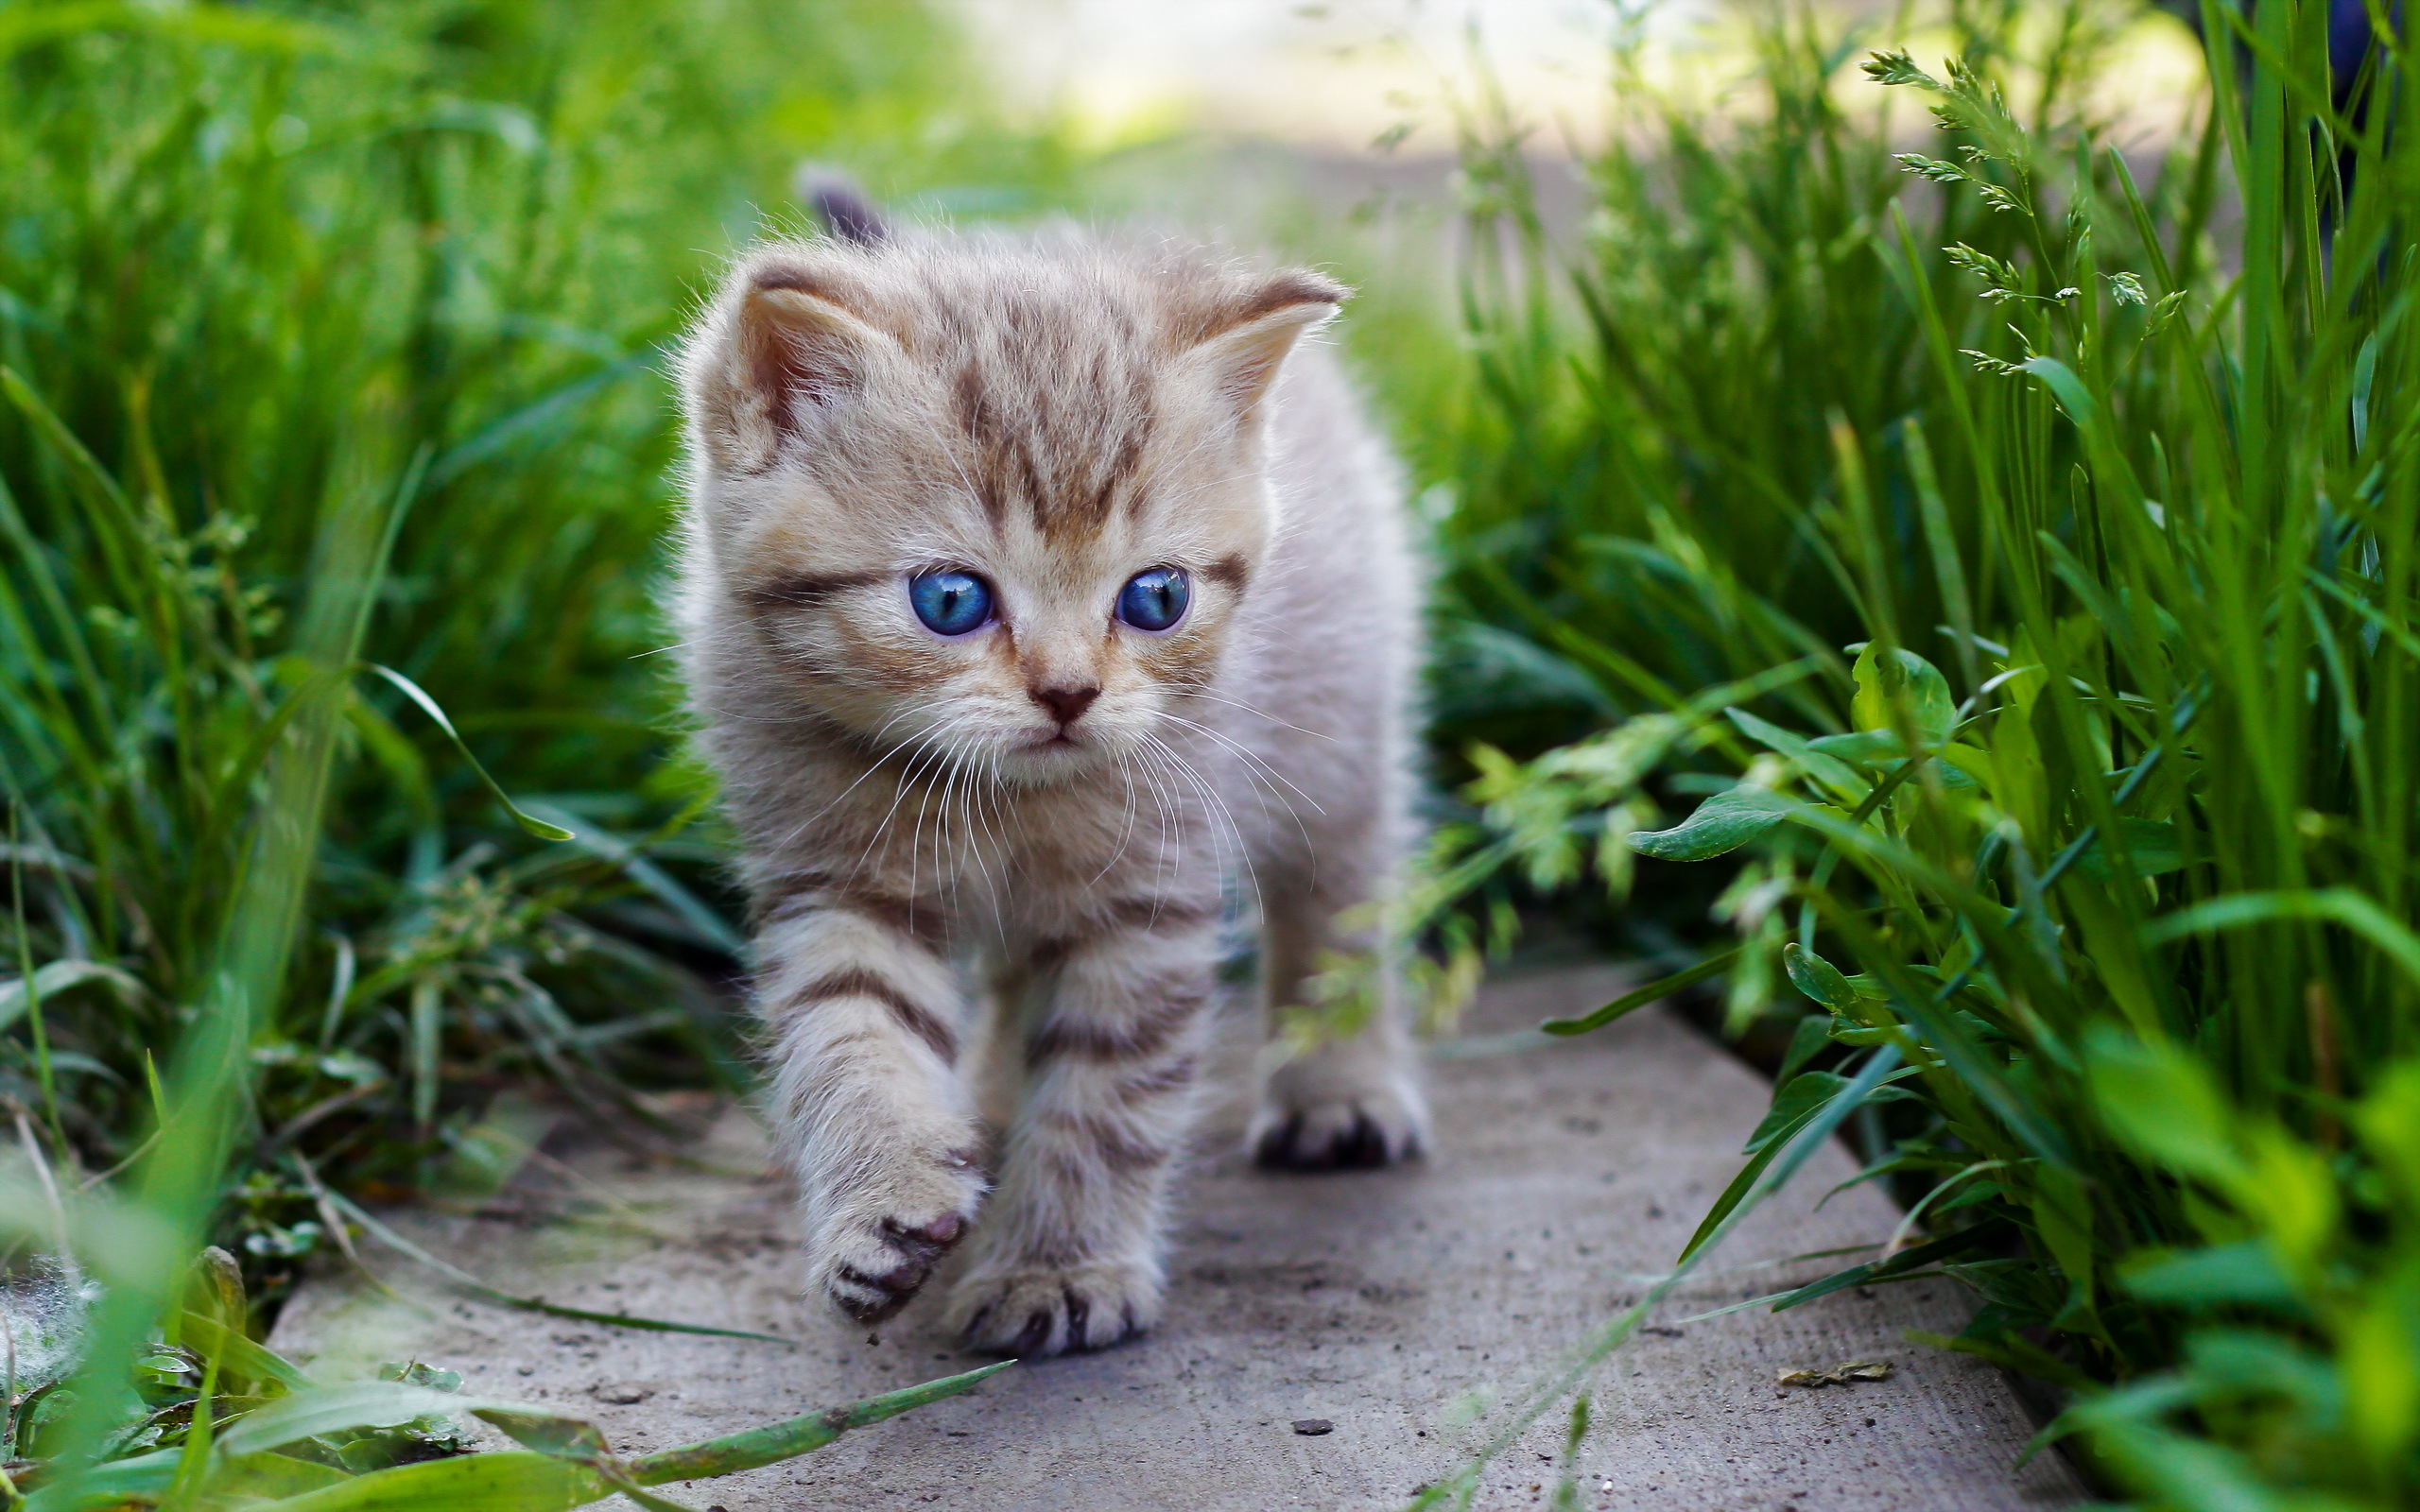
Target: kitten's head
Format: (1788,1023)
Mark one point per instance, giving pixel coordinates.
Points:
(998,502)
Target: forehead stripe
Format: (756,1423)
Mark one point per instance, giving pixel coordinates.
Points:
(1067,456)
(805,590)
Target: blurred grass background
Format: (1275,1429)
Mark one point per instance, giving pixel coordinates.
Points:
(262,265)
(332,337)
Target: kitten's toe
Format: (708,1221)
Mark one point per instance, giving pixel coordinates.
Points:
(874,1258)
(888,1265)
(1031,1313)
(1351,1133)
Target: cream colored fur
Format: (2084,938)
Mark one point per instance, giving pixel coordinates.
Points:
(1055,417)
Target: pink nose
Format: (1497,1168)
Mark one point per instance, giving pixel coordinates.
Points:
(1066,705)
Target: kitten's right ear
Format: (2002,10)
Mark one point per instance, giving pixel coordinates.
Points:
(780,347)
(1245,338)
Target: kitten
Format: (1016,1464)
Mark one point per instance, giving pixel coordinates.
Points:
(1038,599)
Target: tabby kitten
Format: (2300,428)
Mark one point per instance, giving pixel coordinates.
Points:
(1036,604)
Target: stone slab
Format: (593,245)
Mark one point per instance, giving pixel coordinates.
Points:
(1569,1174)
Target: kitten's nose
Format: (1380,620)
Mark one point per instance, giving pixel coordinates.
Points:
(1066,705)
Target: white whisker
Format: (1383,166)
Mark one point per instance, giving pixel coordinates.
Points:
(1237,703)
(1251,756)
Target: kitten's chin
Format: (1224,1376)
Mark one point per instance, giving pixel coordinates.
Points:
(1042,762)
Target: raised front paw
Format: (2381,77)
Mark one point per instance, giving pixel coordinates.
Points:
(1053,1311)
(1335,1128)
(879,1245)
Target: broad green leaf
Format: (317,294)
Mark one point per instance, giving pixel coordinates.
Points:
(512,1480)
(2388,1121)
(1798,1099)
(2237,1275)
(1829,770)
(547,1432)
(1847,1031)
(2162,1102)
(2292,1190)
(1902,677)
(140,1482)
(2255,1360)
(1814,1032)
(2063,1217)
(354,1404)
(1976,765)
(2379,1358)
(2190,1474)
(2151,845)
(239,1357)
(268,1476)
(1818,978)
(1861,747)
(1949,772)
(1720,824)
(1880,752)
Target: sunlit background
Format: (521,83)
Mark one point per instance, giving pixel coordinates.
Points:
(1367,76)
(1336,76)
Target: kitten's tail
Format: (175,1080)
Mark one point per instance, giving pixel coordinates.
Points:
(847,215)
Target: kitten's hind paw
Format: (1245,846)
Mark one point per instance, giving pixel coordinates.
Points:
(1358,1133)
(1031,1313)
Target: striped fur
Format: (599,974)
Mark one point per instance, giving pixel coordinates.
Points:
(1055,416)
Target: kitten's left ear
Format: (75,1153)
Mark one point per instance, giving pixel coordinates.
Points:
(1248,339)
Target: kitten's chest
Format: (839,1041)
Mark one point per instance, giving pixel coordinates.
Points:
(1097,835)
(1027,859)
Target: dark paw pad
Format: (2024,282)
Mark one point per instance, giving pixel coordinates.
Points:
(919,1249)
(1361,1145)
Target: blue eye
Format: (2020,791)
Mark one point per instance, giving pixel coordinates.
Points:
(1154,600)
(950,603)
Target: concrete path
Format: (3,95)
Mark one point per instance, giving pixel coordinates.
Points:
(1568,1175)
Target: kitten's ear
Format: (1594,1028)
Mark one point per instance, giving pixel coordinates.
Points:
(1248,339)
(781,345)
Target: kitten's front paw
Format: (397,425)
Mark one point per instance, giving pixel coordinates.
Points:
(877,1251)
(1042,1311)
(1335,1128)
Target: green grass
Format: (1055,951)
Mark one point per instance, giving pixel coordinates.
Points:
(330,404)
(2095,864)
(267,268)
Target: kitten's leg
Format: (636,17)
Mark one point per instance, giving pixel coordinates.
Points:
(993,1063)
(1069,1256)
(868,1105)
(1354,1102)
